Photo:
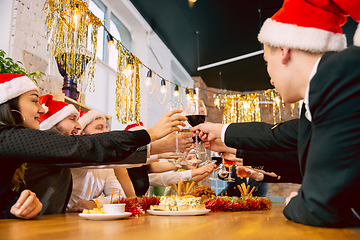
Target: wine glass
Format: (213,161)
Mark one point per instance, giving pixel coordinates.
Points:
(169,107)
(217,160)
(229,164)
(196,113)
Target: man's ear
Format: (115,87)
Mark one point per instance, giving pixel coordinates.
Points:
(285,55)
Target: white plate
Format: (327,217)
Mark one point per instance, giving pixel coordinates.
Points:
(105,216)
(178,213)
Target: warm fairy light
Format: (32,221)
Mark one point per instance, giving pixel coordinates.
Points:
(148,78)
(111,43)
(195,95)
(76,16)
(128,70)
(217,100)
(246,105)
(176,91)
(188,96)
(163,87)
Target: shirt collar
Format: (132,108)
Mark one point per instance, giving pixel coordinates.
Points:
(306,98)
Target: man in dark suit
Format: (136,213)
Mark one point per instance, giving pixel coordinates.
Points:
(328,131)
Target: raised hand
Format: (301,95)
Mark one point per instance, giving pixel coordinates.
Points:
(218,146)
(185,141)
(208,131)
(27,206)
(206,169)
(166,125)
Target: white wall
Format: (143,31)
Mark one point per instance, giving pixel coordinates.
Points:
(153,53)
(6,11)
(22,24)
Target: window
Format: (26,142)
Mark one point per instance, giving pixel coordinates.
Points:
(119,32)
(99,10)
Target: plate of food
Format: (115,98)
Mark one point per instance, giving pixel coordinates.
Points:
(179,206)
(104,216)
(178,213)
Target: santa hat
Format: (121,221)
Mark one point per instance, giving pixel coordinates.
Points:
(13,85)
(352,8)
(55,111)
(88,117)
(309,25)
(135,126)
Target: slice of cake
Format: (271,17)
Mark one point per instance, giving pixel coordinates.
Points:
(179,203)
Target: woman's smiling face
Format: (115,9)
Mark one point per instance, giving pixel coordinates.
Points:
(30,109)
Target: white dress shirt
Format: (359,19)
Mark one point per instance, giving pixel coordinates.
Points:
(86,180)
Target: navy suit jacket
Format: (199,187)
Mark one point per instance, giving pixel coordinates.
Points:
(328,146)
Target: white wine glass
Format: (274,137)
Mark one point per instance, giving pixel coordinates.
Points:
(169,107)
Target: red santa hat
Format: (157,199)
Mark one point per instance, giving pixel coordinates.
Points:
(135,126)
(87,117)
(309,25)
(55,111)
(13,85)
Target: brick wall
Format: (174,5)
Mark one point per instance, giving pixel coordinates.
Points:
(266,113)
(28,44)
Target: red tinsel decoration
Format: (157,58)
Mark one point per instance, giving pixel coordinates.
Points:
(223,204)
(138,205)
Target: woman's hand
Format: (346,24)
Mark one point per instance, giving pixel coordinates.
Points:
(206,169)
(167,124)
(27,206)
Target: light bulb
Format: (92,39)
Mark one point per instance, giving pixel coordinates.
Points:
(187,92)
(194,95)
(128,70)
(163,87)
(148,78)
(176,91)
(111,43)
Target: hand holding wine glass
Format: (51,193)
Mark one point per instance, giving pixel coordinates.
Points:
(196,113)
(168,123)
(208,131)
(176,106)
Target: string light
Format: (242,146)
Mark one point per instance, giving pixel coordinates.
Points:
(195,95)
(188,96)
(217,100)
(163,86)
(129,68)
(111,43)
(148,78)
(176,91)
(76,15)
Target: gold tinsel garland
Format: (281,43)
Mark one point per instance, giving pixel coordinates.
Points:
(246,107)
(127,74)
(68,22)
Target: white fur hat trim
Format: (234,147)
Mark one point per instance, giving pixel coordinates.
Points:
(315,40)
(58,116)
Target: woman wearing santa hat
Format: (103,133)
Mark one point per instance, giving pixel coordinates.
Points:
(21,142)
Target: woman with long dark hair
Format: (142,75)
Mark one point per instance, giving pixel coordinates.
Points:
(22,142)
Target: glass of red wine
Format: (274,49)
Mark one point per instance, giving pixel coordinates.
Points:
(169,107)
(196,113)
